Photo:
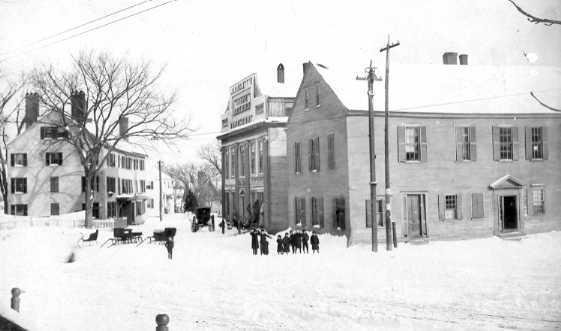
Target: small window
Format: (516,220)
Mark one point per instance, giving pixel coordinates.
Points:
(54,184)
(53,132)
(412,144)
(18,159)
(53,159)
(19,185)
(451,208)
(18,209)
(538,202)
(55,209)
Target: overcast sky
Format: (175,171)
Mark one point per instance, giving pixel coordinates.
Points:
(209,45)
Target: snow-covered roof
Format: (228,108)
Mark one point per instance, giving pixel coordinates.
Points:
(451,88)
(267,80)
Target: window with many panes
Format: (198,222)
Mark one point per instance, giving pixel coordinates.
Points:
(112,209)
(538,202)
(412,144)
(53,158)
(110,181)
(18,209)
(465,144)
(111,160)
(505,144)
(379,212)
(451,207)
(18,159)
(297,158)
(537,143)
(252,158)
(300,211)
(314,155)
(55,209)
(19,185)
(54,184)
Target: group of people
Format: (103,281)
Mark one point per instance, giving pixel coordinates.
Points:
(295,241)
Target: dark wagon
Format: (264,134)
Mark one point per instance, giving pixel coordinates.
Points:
(201,218)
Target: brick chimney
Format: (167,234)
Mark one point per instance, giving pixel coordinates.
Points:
(450,58)
(463,59)
(31,108)
(123,126)
(78,104)
(305,66)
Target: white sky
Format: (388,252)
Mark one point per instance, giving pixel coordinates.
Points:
(209,45)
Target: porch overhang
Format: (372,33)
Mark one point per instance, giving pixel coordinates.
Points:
(506,182)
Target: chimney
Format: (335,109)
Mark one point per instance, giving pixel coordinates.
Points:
(306,66)
(31,108)
(280,73)
(450,58)
(78,104)
(123,126)
(463,59)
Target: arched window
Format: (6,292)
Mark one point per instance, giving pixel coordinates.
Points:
(280,73)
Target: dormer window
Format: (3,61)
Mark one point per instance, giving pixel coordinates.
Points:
(280,73)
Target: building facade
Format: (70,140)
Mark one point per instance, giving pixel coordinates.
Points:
(467,156)
(253,147)
(46,176)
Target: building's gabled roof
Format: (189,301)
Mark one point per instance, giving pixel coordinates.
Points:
(267,80)
(452,88)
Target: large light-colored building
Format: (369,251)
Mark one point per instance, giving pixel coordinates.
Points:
(153,192)
(47,178)
(253,140)
(471,152)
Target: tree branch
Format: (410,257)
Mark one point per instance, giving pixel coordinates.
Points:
(535,19)
(543,104)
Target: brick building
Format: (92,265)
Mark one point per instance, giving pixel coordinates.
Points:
(253,140)
(46,177)
(471,153)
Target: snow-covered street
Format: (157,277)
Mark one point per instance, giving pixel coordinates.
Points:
(215,283)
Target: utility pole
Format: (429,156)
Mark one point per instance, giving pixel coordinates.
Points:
(160,176)
(370,78)
(388,193)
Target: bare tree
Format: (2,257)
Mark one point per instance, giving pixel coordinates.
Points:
(113,90)
(197,178)
(10,121)
(535,19)
(210,153)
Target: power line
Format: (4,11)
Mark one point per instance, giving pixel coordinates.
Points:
(80,26)
(93,29)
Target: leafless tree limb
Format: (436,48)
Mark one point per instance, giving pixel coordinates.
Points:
(543,104)
(535,19)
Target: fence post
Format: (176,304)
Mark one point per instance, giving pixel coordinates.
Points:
(15,299)
(162,321)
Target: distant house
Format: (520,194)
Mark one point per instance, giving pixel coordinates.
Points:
(253,140)
(47,178)
(471,153)
(153,192)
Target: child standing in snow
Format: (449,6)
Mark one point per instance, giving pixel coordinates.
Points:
(280,248)
(169,247)
(314,240)
(286,243)
(305,239)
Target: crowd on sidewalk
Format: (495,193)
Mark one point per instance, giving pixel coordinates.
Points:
(293,241)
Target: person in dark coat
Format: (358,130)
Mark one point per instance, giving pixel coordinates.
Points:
(169,247)
(280,245)
(264,243)
(293,241)
(286,243)
(254,241)
(298,240)
(305,239)
(314,240)
(222,225)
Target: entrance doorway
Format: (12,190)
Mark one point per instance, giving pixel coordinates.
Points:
(508,212)
(415,211)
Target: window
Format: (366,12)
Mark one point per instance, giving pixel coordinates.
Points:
(142,185)
(53,158)
(536,143)
(331,151)
(112,209)
(300,211)
(306,98)
(110,184)
(226,162)
(126,186)
(538,201)
(54,184)
(412,143)
(95,209)
(317,212)
(53,132)
(313,157)
(505,143)
(55,209)
(18,209)
(297,158)
(252,157)
(141,164)
(317,95)
(18,159)
(243,160)
(150,185)
(259,109)
(380,212)
(140,207)
(451,207)
(150,203)
(135,164)
(465,144)
(234,164)
(19,185)
(477,208)
(94,184)
(111,160)
(280,73)
(260,155)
